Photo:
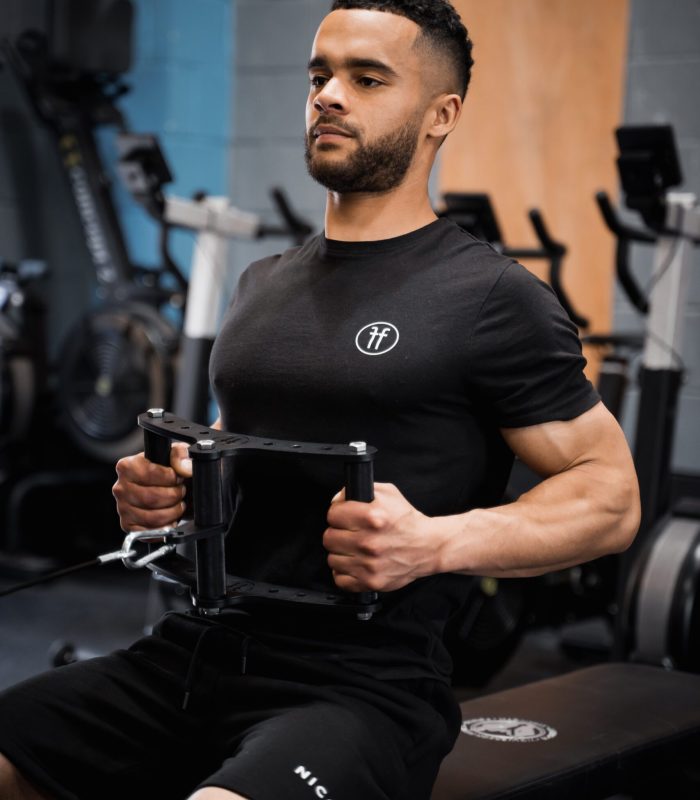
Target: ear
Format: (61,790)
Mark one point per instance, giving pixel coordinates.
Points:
(444,114)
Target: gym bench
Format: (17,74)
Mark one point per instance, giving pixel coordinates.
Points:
(589,734)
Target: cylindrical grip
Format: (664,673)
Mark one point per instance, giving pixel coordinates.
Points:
(359,485)
(208,511)
(208,492)
(359,481)
(211,569)
(156,448)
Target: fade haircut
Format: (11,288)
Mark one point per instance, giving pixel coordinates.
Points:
(441,29)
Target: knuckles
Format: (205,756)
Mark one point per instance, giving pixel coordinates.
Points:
(372,517)
(376,518)
(371,547)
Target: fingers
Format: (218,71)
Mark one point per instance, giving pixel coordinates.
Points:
(354,558)
(139,470)
(147,495)
(374,546)
(353,575)
(180,460)
(352,515)
(348,583)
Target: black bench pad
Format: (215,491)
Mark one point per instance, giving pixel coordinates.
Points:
(615,724)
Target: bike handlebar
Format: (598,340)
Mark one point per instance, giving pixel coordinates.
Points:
(556,252)
(295,226)
(625,234)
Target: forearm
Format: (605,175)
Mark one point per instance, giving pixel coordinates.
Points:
(577,515)
(586,508)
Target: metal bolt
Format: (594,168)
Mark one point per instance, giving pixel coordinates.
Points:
(156,413)
(206,444)
(359,447)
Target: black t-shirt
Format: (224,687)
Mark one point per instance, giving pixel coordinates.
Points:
(424,346)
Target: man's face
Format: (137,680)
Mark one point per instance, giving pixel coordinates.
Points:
(365,107)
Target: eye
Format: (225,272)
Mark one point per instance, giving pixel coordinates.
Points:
(317,80)
(368,83)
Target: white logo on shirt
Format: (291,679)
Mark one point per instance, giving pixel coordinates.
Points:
(377,338)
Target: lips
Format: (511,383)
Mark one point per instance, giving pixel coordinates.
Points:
(321,130)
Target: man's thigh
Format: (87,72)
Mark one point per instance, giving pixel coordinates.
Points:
(322,749)
(98,728)
(289,728)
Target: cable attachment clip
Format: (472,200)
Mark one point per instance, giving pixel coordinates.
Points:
(128,552)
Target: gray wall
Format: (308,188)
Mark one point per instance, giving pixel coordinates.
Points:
(663,80)
(274,39)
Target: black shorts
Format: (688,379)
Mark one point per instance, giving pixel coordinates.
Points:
(255,722)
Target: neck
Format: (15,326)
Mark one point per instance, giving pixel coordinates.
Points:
(357,217)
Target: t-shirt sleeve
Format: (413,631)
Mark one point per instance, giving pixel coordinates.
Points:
(526,362)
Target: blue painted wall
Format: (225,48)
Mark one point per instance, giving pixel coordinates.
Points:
(182,80)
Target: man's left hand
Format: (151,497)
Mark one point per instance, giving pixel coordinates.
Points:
(378,546)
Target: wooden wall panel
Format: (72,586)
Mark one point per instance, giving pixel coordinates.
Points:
(538,130)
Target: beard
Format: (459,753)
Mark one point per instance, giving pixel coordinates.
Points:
(374,167)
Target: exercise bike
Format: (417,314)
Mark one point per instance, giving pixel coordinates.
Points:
(72,100)
(654,611)
(21,350)
(129,350)
(658,593)
(116,358)
(215,221)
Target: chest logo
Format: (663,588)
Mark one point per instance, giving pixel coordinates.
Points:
(377,338)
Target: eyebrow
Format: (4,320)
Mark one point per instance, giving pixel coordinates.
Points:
(356,63)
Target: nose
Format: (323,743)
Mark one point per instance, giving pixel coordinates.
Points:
(331,98)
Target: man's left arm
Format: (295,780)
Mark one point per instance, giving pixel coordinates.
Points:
(586,506)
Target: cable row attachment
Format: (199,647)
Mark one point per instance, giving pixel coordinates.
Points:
(127,552)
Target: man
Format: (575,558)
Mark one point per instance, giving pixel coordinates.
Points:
(396,328)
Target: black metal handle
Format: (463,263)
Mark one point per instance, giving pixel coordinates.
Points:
(156,448)
(359,481)
(624,235)
(555,252)
(617,226)
(359,485)
(208,511)
(207,449)
(296,227)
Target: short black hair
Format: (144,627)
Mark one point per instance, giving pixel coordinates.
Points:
(440,24)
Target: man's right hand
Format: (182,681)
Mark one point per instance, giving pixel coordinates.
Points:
(149,495)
